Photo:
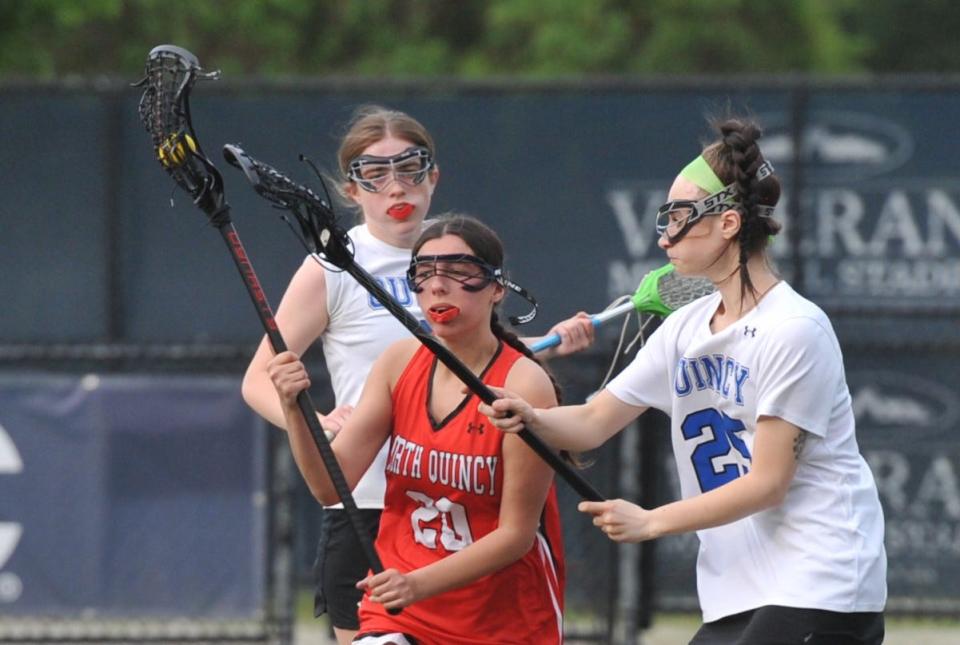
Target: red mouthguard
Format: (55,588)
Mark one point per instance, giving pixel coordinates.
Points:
(443,316)
(400,211)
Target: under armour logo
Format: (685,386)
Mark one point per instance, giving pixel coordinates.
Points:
(474,428)
(750,331)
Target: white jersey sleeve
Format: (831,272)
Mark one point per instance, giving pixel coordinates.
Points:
(800,373)
(645,382)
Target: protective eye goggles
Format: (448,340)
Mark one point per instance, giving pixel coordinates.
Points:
(373,173)
(676,218)
(471,272)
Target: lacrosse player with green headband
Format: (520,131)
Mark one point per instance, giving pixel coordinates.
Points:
(752,377)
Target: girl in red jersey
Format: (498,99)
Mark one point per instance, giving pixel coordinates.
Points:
(470,534)
(388,171)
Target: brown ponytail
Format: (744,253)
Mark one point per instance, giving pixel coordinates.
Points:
(736,158)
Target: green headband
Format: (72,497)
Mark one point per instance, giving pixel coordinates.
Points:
(701,174)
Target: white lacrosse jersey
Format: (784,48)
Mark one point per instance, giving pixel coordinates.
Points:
(360,329)
(822,548)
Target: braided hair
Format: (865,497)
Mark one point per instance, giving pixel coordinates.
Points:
(735,158)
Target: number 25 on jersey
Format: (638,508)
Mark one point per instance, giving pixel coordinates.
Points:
(725,438)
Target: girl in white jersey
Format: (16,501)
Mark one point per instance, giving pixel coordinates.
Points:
(786,509)
(387,163)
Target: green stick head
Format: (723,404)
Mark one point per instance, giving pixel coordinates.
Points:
(663,291)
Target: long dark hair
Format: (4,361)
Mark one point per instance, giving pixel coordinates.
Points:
(735,158)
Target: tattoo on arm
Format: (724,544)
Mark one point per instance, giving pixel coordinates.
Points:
(798,443)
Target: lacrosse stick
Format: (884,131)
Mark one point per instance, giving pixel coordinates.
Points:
(322,235)
(165,112)
(661,292)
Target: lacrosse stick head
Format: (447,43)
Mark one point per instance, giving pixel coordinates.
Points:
(319,230)
(663,291)
(169,75)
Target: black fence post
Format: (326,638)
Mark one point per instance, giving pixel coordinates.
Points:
(800,99)
(113,154)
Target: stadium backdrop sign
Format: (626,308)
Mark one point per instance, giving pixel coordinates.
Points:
(10,464)
(870,239)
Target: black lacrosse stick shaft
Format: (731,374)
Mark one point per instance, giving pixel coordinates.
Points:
(304,401)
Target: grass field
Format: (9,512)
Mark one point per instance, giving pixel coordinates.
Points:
(673,629)
(677,629)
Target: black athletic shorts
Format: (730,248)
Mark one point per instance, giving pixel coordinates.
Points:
(775,625)
(340,564)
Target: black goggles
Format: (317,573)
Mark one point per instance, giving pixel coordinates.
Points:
(373,173)
(676,218)
(471,272)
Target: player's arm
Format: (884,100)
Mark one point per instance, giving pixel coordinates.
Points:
(364,432)
(301,318)
(577,428)
(772,469)
(777,447)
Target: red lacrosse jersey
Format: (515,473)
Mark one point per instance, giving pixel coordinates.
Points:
(444,482)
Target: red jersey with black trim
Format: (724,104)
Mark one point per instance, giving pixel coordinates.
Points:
(444,483)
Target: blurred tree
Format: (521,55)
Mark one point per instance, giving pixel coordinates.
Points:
(716,36)
(908,37)
(554,37)
(476,38)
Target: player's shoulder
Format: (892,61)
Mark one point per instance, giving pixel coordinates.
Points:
(788,317)
(396,357)
(787,300)
(530,380)
(308,283)
(404,348)
(783,305)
